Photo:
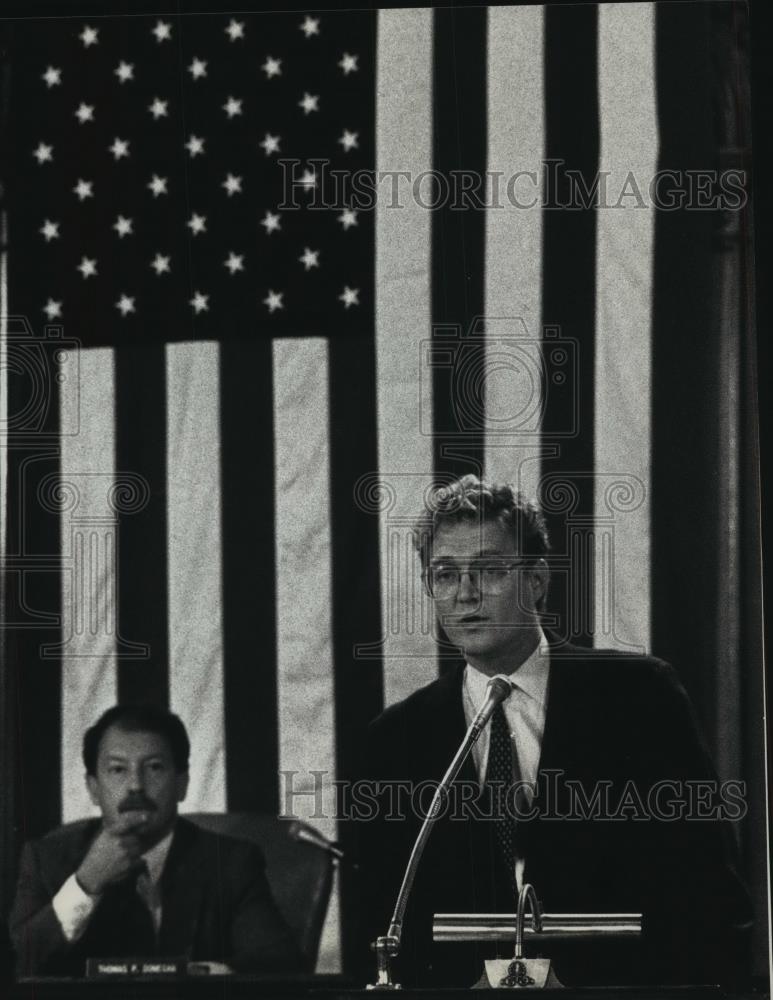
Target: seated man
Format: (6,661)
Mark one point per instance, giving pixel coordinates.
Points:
(142,881)
(619,808)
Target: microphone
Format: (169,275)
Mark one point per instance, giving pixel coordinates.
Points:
(387,947)
(305,834)
(498,690)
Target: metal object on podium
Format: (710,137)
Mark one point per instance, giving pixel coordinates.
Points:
(450,927)
(520,972)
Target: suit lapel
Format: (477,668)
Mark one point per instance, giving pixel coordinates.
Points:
(446,709)
(181,891)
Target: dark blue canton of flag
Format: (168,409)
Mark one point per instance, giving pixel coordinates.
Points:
(170,176)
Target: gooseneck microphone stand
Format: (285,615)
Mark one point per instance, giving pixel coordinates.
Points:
(387,947)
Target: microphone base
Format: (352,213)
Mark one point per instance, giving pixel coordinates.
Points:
(518,974)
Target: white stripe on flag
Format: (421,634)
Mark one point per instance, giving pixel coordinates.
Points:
(403,318)
(195,574)
(88,531)
(304,595)
(624,268)
(516,142)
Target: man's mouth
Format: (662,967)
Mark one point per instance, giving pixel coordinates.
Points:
(137,804)
(469,620)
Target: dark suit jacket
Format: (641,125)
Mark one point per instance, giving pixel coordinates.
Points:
(616,725)
(216,905)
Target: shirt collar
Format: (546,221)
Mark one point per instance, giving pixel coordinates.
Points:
(531,677)
(155,858)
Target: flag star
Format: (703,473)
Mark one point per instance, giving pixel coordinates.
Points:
(52,77)
(158,185)
(160,264)
(309,258)
(348,217)
(309,179)
(162,31)
(350,296)
(274,300)
(123,226)
(232,107)
(50,230)
(44,153)
(52,309)
(271,222)
(85,113)
(309,103)
(84,189)
(310,26)
(88,36)
(348,64)
(272,67)
(199,302)
(120,148)
(124,71)
(349,140)
(197,224)
(233,185)
(270,144)
(195,145)
(158,108)
(234,262)
(198,68)
(87,267)
(235,29)
(125,304)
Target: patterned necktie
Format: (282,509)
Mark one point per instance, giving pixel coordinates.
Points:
(500,777)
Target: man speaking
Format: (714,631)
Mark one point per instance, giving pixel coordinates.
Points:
(591,781)
(143,881)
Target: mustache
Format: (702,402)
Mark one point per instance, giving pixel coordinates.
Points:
(136,803)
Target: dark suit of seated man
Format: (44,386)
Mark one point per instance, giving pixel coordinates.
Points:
(620,812)
(142,881)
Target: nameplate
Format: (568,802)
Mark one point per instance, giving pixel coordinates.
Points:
(102,968)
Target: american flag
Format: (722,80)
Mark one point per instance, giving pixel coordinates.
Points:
(243,333)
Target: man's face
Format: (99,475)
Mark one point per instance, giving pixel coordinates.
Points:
(495,631)
(135,773)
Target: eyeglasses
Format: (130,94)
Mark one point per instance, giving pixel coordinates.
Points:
(486,575)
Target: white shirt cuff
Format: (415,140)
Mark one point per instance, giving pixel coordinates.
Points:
(73,908)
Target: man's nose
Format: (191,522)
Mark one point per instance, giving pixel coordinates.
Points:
(468,586)
(136,779)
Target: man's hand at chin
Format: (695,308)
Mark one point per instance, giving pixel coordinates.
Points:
(114,853)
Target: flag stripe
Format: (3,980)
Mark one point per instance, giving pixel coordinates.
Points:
(356,597)
(568,300)
(304,592)
(403,317)
(140,400)
(249,576)
(458,236)
(624,252)
(35,589)
(684,358)
(195,577)
(89,536)
(516,143)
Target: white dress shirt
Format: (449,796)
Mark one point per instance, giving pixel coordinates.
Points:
(525,716)
(73,907)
